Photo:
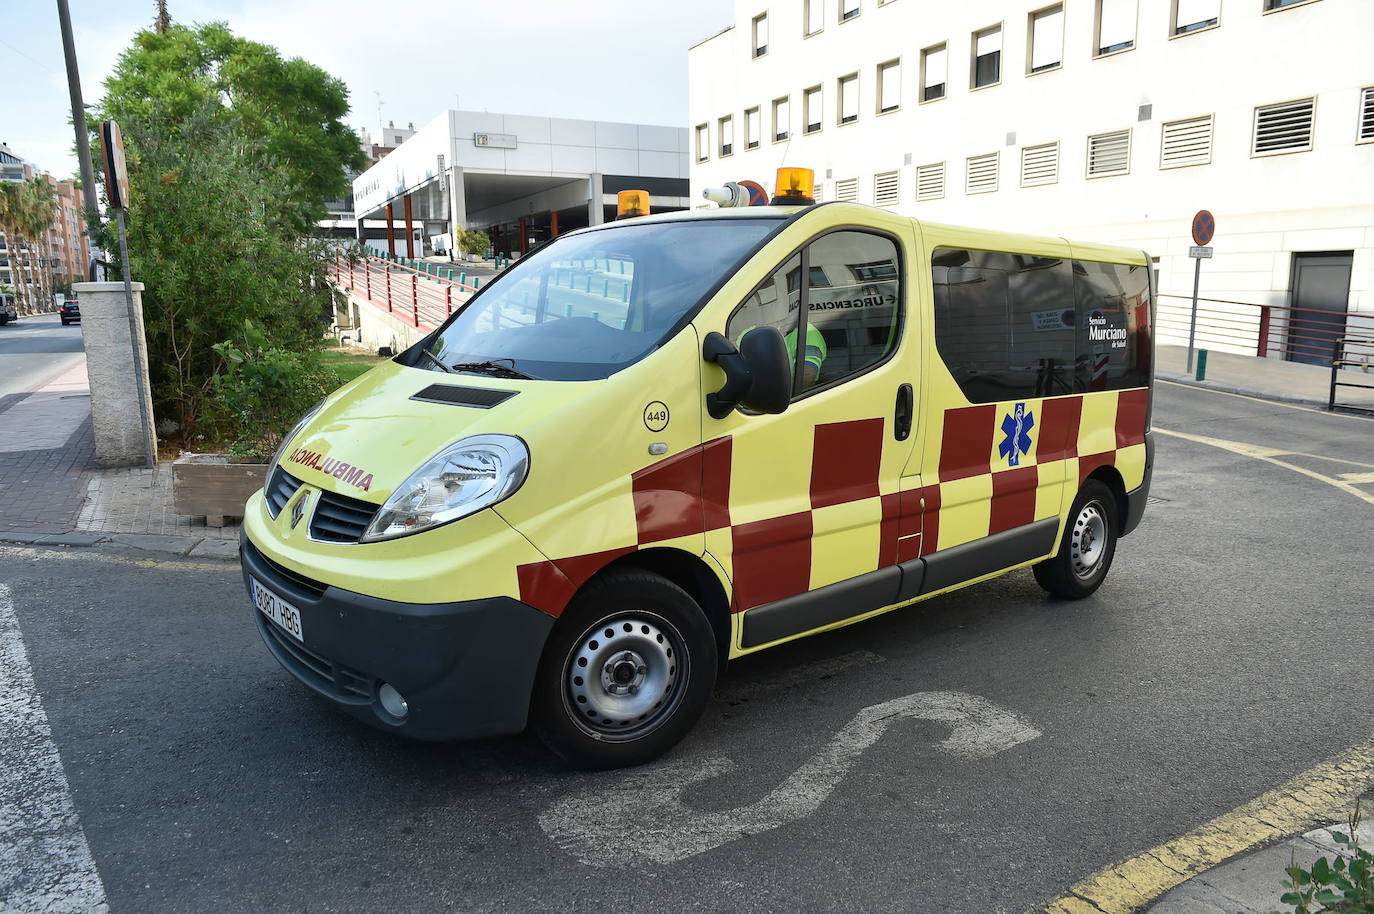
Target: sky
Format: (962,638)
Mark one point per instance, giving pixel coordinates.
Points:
(618,60)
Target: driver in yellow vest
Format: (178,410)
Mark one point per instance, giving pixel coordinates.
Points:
(813,357)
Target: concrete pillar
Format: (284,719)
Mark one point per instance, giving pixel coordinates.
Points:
(524,237)
(390,232)
(596,213)
(118,373)
(457,203)
(410,231)
(553,223)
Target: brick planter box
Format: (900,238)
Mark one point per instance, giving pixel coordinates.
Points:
(210,486)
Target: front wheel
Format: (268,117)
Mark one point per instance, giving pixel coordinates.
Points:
(627,672)
(1085,555)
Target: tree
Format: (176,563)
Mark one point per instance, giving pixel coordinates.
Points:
(288,112)
(473,241)
(217,253)
(40,208)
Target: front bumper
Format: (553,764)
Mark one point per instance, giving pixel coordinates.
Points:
(466,669)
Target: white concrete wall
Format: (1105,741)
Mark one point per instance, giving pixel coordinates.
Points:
(1266,207)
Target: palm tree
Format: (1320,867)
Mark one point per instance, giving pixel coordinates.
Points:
(41,209)
(13,218)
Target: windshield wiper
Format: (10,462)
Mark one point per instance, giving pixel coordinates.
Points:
(435,359)
(492,368)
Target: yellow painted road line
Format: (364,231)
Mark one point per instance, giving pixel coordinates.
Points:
(1306,409)
(1321,795)
(1359,479)
(1269,455)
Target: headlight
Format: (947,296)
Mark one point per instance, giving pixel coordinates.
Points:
(462,479)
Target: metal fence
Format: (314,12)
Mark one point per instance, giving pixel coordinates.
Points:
(418,292)
(1297,334)
(1351,357)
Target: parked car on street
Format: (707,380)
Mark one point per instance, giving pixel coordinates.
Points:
(7,310)
(70,312)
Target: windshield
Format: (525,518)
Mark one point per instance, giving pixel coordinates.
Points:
(591,304)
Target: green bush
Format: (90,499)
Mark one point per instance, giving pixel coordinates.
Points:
(1344,885)
(473,242)
(262,390)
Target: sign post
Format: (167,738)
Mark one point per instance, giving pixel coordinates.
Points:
(1204,227)
(117,191)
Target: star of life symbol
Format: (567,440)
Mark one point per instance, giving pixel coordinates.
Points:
(1016,426)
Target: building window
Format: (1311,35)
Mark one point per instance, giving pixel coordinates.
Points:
(751,128)
(1040,164)
(933,70)
(1271,5)
(847,190)
(1045,40)
(1366,134)
(814,20)
(1186,142)
(703,143)
(889,86)
(725,132)
(848,93)
(849,9)
(1115,26)
(987,58)
(887,188)
(813,104)
(980,174)
(1195,15)
(760,34)
(1285,127)
(782,118)
(1109,154)
(930,181)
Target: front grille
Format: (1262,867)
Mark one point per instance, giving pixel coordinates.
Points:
(318,670)
(279,490)
(340,519)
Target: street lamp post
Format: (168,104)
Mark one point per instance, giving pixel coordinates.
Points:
(83,140)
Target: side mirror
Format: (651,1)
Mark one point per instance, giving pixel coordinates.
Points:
(757,376)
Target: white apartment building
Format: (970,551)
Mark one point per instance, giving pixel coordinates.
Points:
(1106,120)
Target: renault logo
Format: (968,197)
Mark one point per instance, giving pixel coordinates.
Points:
(298,510)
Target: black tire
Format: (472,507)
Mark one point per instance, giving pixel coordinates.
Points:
(661,647)
(64,321)
(1085,555)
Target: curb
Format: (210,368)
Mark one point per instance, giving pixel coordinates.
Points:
(197,547)
(1243,391)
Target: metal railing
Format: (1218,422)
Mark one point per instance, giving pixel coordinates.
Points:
(1351,353)
(421,293)
(1297,334)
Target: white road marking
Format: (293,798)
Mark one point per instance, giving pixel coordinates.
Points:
(45,862)
(804,674)
(640,816)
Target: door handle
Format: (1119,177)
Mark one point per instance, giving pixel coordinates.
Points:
(901,424)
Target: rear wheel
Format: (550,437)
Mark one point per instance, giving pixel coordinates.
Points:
(1089,545)
(626,673)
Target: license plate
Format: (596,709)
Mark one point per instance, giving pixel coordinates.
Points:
(286,616)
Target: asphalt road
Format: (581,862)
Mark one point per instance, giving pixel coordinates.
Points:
(34,349)
(1227,652)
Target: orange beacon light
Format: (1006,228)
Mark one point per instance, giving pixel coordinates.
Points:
(796,187)
(631,203)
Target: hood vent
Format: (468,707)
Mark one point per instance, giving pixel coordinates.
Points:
(453,395)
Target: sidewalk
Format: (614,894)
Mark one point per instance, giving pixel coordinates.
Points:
(52,491)
(1252,883)
(1271,378)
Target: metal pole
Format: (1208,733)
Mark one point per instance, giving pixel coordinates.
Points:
(83,139)
(140,375)
(1192,321)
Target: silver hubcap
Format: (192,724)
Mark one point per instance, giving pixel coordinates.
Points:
(625,675)
(1088,541)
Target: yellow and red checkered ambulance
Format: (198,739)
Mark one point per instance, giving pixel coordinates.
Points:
(672,440)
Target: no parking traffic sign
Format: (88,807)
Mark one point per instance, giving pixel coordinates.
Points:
(1204,227)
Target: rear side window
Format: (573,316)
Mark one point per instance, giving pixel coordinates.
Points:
(1011,326)
(849,303)
(1113,303)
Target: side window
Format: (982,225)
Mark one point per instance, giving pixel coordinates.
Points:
(775,303)
(852,303)
(1113,333)
(1005,324)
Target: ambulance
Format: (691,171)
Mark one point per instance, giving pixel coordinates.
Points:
(673,440)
